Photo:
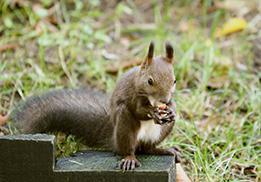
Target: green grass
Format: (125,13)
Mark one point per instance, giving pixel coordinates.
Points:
(218,92)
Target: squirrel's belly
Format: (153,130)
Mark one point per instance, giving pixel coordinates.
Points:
(149,132)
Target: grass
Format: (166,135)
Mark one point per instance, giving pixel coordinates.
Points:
(218,90)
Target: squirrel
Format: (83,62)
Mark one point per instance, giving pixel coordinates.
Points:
(134,119)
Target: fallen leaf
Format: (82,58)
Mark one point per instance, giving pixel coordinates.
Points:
(7,47)
(238,7)
(40,11)
(231,26)
(109,56)
(125,41)
(181,174)
(184,26)
(2,120)
(218,82)
(122,65)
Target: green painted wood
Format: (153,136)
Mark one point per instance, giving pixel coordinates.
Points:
(26,157)
(31,158)
(102,166)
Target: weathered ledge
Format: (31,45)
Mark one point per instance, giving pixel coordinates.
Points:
(26,158)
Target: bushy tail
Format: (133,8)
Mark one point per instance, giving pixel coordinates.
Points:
(81,112)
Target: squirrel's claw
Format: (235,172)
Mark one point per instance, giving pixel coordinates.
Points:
(129,163)
(176,152)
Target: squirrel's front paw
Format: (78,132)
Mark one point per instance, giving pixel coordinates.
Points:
(129,163)
(164,114)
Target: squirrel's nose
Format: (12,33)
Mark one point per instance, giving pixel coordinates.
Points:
(165,101)
(155,102)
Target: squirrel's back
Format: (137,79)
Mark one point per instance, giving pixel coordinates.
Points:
(82,112)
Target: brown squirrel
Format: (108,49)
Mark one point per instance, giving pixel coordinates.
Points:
(134,119)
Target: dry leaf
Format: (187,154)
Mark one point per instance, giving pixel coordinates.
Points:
(181,175)
(218,82)
(231,26)
(122,65)
(2,120)
(109,56)
(184,26)
(8,47)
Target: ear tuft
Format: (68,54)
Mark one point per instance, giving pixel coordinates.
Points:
(149,57)
(169,52)
(151,50)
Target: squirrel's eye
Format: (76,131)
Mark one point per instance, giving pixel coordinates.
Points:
(174,82)
(150,81)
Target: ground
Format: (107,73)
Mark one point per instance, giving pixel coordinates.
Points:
(49,44)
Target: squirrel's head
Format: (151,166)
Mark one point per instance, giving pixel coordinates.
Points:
(156,79)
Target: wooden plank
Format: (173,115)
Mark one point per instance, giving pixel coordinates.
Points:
(103,167)
(31,158)
(26,157)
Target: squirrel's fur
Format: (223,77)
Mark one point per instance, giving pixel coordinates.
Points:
(121,121)
(82,112)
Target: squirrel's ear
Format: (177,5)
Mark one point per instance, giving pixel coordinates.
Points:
(149,57)
(169,52)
